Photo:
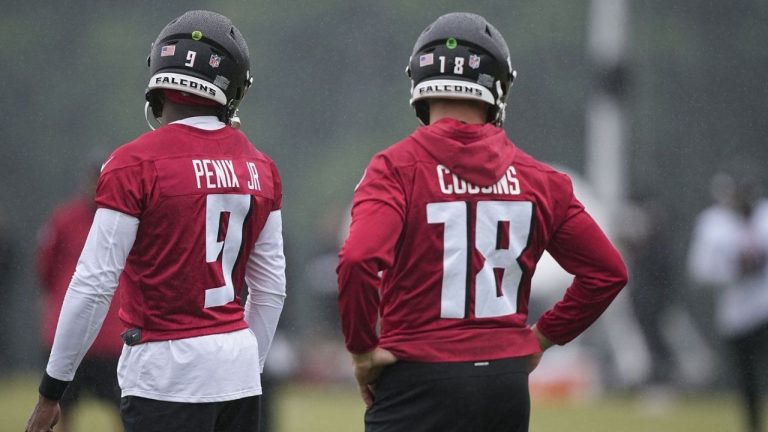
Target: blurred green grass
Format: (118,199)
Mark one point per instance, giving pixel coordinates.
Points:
(319,408)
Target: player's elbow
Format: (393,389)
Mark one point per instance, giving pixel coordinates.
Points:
(354,258)
(616,274)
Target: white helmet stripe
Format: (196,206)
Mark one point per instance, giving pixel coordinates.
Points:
(451,89)
(188,84)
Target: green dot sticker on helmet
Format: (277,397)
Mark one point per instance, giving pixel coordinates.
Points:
(197,35)
(451,43)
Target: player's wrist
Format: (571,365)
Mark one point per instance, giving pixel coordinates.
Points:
(544,342)
(52,388)
(364,358)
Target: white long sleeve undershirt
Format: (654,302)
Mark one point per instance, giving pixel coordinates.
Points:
(89,294)
(265,277)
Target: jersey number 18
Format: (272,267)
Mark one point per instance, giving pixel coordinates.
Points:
(501,234)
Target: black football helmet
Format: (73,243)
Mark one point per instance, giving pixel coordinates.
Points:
(461,56)
(203,54)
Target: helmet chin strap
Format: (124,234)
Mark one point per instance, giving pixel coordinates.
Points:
(147,110)
(234,121)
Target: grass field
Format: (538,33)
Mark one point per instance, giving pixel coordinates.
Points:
(337,409)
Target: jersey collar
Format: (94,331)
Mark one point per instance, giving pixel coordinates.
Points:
(202,122)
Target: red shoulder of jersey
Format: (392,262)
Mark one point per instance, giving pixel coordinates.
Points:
(131,175)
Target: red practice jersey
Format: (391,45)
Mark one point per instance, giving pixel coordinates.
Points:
(447,228)
(202,198)
(61,242)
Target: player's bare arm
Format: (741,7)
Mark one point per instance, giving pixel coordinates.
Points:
(45,415)
(368,367)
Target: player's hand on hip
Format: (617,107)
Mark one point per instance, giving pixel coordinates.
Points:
(544,344)
(534,360)
(368,367)
(45,416)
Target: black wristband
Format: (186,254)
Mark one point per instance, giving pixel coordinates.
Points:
(51,387)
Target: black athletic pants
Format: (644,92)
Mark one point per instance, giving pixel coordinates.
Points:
(149,415)
(443,397)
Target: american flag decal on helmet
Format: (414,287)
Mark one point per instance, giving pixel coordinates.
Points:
(426,59)
(167,50)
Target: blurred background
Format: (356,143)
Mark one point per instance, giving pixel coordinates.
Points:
(641,101)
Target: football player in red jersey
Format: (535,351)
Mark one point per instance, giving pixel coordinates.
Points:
(60,242)
(447,227)
(187,215)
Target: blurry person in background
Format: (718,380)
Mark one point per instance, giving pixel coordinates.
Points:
(188,214)
(645,237)
(321,337)
(728,253)
(8,260)
(447,228)
(60,242)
